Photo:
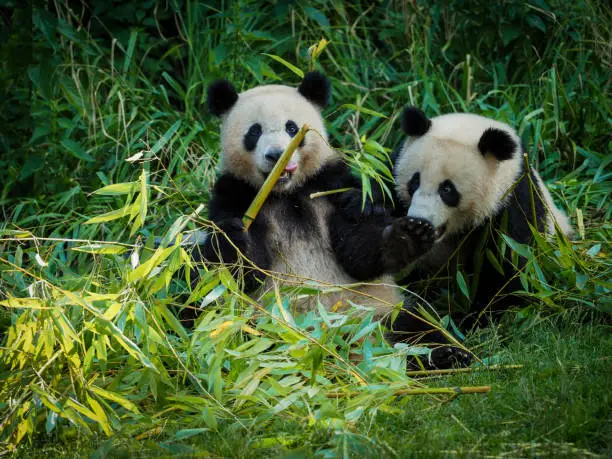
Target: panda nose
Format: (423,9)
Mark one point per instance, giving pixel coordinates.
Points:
(273,154)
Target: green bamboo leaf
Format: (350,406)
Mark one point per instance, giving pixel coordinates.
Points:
(522,249)
(186,433)
(130,50)
(110,216)
(117,189)
(76,150)
(290,66)
(163,141)
(114,397)
(494,262)
(363,110)
(462,284)
(101,248)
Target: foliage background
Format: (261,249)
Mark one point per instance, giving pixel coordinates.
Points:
(86,85)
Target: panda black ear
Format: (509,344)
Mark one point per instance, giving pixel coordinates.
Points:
(497,142)
(221,96)
(414,122)
(316,88)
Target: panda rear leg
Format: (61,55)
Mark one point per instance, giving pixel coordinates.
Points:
(410,327)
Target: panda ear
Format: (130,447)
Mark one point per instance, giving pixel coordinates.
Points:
(316,88)
(497,142)
(414,122)
(221,96)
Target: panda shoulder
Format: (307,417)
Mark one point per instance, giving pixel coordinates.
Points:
(230,191)
(335,174)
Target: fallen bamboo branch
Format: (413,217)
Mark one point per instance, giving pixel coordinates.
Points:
(276,172)
(320,194)
(454,391)
(451,371)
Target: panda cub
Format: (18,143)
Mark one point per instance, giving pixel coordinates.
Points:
(296,239)
(466,174)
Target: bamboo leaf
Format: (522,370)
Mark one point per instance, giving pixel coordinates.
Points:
(290,66)
(114,397)
(117,189)
(367,111)
(462,284)
(108,249)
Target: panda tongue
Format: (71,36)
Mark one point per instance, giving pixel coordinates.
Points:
(291,167)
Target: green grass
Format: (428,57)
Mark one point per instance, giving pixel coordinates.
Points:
(92,358)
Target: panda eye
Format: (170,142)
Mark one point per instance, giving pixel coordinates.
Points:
(449,194)
(255,130)
(291,128)
(414,183)
(252,136)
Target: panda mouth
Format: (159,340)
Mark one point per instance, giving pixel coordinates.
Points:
(287,174)
(440,230)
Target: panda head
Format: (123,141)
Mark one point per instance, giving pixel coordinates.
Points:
(455,170)
(258,124)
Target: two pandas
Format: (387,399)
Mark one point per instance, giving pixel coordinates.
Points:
(453,173)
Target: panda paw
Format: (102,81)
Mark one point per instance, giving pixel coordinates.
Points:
(445,357)
(223,244)
(405,240)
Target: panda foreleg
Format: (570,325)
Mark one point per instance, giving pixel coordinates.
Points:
(373,246)
(409,326)
(405,240)
(227,245)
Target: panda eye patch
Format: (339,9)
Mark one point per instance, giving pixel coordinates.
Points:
(291,128)
(414,183)
(252,136)
(449,194)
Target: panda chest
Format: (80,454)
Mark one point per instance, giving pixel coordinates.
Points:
(298,238)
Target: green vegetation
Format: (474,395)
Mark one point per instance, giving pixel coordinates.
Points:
(106,145)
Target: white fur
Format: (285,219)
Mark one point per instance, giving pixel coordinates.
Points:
(449,151)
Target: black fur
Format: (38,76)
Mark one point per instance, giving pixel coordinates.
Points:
(414,183)
(252,137)
(497,142)
(316,88)
(221,96)
(414,122)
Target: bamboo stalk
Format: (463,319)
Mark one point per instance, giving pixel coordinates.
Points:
(276,172)
(454,391)
(320,194)
(451,371)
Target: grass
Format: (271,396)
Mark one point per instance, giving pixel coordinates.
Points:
(106,147)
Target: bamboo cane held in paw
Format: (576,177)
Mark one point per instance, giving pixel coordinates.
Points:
(276,172)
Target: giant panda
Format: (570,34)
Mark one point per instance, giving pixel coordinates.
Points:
(466,175)
(297,239)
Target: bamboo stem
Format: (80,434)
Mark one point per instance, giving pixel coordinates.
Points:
(454,391)
(451,371)
(320,194)
(276,172)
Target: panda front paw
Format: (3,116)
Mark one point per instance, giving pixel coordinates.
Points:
(444,357)
(406,239)
(440,358)
(223,244)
